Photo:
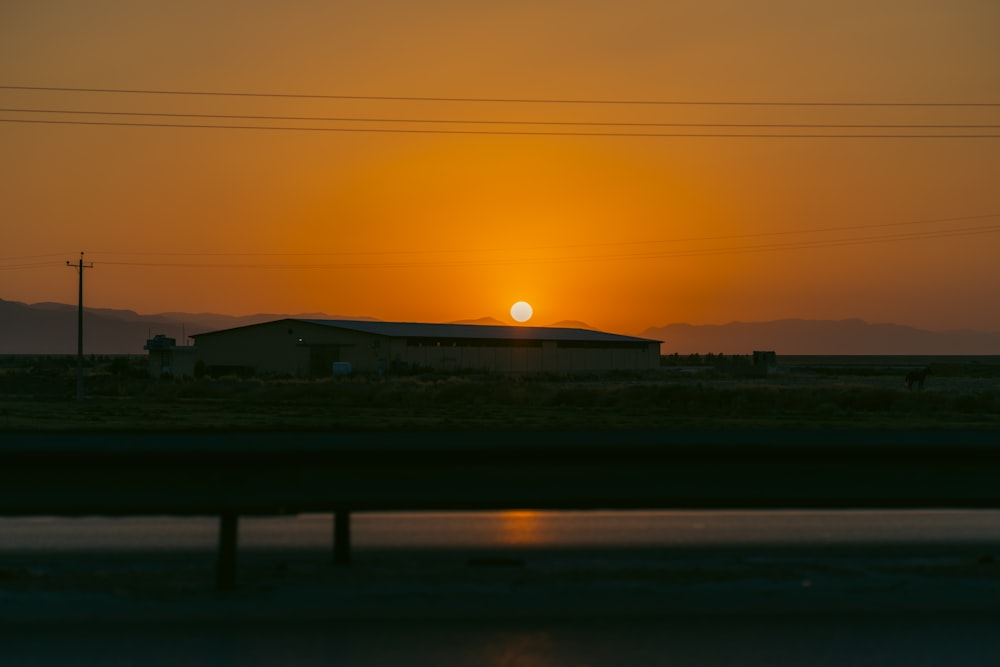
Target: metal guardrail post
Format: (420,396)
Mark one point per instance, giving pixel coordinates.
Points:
(226,567)
(342,536)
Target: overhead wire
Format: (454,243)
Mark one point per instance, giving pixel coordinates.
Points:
(34,265)
(766,130)
(20,257)
(784,245)
(371,124)
(565,246)
(540,133)
(495,100)
(668,254)
(456,121)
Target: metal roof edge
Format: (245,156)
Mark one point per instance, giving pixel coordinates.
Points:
(504,331)
(246,326)
(434,329)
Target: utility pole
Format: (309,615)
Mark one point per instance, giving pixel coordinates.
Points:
(80,266)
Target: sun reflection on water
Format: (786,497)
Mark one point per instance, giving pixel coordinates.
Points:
(518,527)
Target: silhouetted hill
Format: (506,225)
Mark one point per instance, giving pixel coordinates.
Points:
(487,321)
(571,324)
(492,321)
(50,328)
(794,336)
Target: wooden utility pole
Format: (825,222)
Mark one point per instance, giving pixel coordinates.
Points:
(79,328)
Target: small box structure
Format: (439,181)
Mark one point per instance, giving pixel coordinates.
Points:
(765,361)
(168,359)
(315,348)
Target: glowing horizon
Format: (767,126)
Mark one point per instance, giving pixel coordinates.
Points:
(448,173)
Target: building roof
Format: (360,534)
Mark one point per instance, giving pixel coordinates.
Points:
(426,330)
(482,331)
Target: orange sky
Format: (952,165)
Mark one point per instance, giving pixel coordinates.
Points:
(619,232)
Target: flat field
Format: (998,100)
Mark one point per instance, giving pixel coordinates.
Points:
(812,392)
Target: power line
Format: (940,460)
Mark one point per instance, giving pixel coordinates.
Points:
(513,100)
(36,265)
(578,246)
(830,243)
(842,228)
(768,247)
(648,255)
(455,121)
(384,130)
(49,254)
(689,239)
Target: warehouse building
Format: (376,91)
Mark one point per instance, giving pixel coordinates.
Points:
(316,348)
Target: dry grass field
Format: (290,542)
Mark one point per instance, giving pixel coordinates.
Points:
(717,392)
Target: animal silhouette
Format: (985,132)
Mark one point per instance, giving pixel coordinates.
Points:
(917,378)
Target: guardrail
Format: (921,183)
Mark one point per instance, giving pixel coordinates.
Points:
(233,475)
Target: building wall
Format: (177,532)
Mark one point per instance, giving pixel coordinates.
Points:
(172,361)
(166,358)
(541,357)
(289,347)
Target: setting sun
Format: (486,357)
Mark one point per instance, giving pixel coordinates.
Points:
(521,311)
(547,162)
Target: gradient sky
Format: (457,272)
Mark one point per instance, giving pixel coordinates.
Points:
(619,232)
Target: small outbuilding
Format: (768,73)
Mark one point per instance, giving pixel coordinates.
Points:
(316,348)
(167,358)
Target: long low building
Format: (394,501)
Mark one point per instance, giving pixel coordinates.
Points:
(317,348)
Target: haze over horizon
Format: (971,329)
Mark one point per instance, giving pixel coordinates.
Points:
(491,319)
(441,161)
(51,329)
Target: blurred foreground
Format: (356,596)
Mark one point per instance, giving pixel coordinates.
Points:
(511,588)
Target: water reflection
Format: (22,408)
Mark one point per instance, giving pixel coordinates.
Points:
(520,528)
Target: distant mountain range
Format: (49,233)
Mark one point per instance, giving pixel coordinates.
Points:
(492,321)
(50,328)
(852,336)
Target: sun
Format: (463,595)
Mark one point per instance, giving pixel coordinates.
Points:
(521,311)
